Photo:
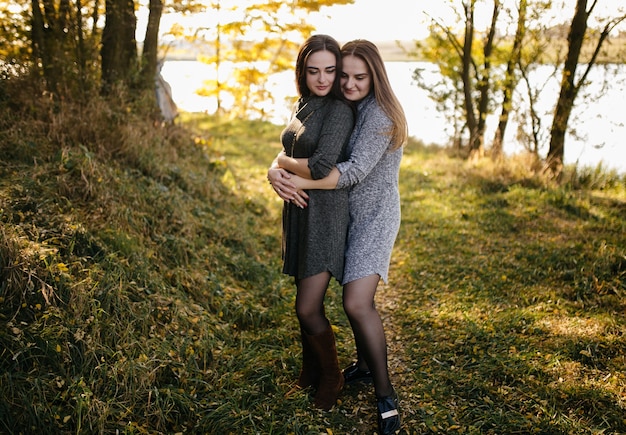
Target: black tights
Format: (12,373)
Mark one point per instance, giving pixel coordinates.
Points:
(369,335)
(310,303)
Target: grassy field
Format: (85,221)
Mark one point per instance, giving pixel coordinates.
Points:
(140,290)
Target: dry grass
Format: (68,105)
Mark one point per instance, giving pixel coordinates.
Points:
(140,289)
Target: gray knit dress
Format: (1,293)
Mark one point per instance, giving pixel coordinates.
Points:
(372,173)
(314,238)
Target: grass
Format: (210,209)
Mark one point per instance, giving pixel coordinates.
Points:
(512,303)
(140,289)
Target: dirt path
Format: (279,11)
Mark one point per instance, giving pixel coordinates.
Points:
(388,299)
(358,399)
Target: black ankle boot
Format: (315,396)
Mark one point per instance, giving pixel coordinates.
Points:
(353,373)
(388,414)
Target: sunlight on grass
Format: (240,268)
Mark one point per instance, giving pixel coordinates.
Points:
(141,291)
(490,269)
(573,326)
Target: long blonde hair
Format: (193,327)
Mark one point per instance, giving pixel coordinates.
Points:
(383,92)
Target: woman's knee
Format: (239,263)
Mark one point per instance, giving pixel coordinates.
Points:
(307,314)
(358,296)
(356,308)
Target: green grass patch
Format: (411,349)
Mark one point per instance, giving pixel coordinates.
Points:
(140,289)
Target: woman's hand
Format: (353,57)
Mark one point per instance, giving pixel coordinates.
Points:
(280,179)
(297,181)
(300,197)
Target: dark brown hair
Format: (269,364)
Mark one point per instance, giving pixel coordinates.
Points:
(312,45)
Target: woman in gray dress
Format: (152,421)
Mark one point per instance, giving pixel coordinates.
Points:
(314,237)
(371,172)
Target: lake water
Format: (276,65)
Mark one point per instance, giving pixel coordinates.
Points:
(598,119)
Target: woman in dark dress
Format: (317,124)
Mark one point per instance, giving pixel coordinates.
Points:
(314,237)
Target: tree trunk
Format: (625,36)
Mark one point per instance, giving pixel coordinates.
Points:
(510,82)
(95,17)
(119,48)
(44,43)
(81,53)
(472,123)
(484,85)
(37,35)
(151,43)
(565,103)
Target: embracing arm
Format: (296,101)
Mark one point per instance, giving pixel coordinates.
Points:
(295,166)
(371,144)
(317,171)
(329,182)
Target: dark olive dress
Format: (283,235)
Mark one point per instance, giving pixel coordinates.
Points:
(314,238)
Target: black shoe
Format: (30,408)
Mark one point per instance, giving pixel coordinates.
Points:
(353,373)
(388,414)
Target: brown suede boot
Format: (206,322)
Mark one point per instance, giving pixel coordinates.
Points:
(331,378)
(310,371)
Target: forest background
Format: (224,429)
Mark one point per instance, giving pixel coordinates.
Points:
(140,285)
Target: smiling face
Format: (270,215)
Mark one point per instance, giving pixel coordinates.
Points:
(356,80)
(321,70)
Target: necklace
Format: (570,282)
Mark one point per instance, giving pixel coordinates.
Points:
(295,133)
